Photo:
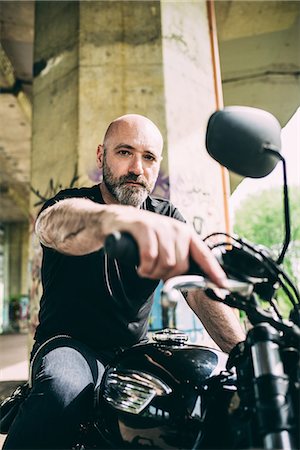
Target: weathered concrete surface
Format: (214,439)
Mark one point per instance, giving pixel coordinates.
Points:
(121,71)
(55,95)
(14,268)
(195,179)
(260,55)
(16,37)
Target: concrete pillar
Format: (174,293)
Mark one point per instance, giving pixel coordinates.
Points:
(5,288)
(195,179)
(18,259)
(15,267)
(95,61)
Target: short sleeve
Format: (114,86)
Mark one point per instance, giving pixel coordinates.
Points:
(64,194)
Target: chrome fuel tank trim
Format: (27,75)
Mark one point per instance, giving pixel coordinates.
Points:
(131,391)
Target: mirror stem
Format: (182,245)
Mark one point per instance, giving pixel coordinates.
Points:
(287,239)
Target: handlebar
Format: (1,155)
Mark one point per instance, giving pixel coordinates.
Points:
(239,294)
(122,246)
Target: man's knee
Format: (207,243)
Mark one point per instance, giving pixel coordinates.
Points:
(64,374)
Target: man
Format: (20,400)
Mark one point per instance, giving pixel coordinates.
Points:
(101,304)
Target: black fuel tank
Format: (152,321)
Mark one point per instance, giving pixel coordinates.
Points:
(174,363)
(155,396)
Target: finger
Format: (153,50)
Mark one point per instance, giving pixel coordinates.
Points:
(166,260)
(148,250)
(181,246)
(208,263)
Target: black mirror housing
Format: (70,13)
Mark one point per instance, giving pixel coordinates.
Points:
(238,137)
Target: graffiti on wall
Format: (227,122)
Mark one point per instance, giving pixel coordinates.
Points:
(95,175)
(35,259)
(162,187)
(52,189)
(199,203)
(35,287)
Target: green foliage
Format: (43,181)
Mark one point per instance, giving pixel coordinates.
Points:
(260,219)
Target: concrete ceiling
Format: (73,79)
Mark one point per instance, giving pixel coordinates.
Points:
(235,17)
(16,62)
(260,56)
(16,56)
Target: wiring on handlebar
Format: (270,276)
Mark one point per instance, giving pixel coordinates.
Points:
(274,306)
(272,267)
(256,314)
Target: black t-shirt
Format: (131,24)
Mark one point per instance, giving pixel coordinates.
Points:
(93,298)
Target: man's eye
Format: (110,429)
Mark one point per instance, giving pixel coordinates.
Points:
(124,152)
(149,158)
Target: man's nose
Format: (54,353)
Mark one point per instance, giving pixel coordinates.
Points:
(136,165)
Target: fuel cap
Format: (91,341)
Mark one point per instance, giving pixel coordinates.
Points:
(170,336)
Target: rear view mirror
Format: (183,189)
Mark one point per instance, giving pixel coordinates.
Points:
(239,137)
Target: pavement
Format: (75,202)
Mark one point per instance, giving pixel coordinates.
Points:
(14,357)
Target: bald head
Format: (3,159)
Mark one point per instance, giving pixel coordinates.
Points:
(134,125)
(130,159)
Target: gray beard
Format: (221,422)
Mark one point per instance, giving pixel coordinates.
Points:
(130,195)
(124,194)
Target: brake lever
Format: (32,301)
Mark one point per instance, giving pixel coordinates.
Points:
(170,291)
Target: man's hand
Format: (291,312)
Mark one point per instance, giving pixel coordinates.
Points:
(165,245)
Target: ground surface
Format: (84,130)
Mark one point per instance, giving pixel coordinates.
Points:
(13,364)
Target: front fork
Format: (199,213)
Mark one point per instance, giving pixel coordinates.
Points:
(271,388)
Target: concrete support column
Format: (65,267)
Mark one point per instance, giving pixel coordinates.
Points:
(18,258)
(121,71)
(5,298)
(95,61)
(195,179)
(15,268)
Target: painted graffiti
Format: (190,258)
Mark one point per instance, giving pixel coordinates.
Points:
(162,187)
(35,260)
(52,189)
(198,203)
(35,290)
(95,175)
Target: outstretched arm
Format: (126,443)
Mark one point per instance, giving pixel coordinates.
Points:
(78,226)
(219,320)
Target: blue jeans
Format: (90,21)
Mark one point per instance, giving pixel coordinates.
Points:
(65,375)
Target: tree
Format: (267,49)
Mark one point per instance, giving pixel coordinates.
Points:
(260,219)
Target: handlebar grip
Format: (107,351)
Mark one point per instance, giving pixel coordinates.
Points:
(194,269)
(123,247)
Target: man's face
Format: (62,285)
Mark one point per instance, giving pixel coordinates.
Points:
(130,161)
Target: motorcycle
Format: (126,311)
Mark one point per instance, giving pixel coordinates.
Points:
(171,394)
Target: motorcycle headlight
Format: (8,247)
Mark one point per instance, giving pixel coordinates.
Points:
(132,391)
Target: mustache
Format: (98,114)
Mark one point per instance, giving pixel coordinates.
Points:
(135,178)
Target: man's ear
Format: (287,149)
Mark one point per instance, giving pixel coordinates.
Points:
(100,152)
